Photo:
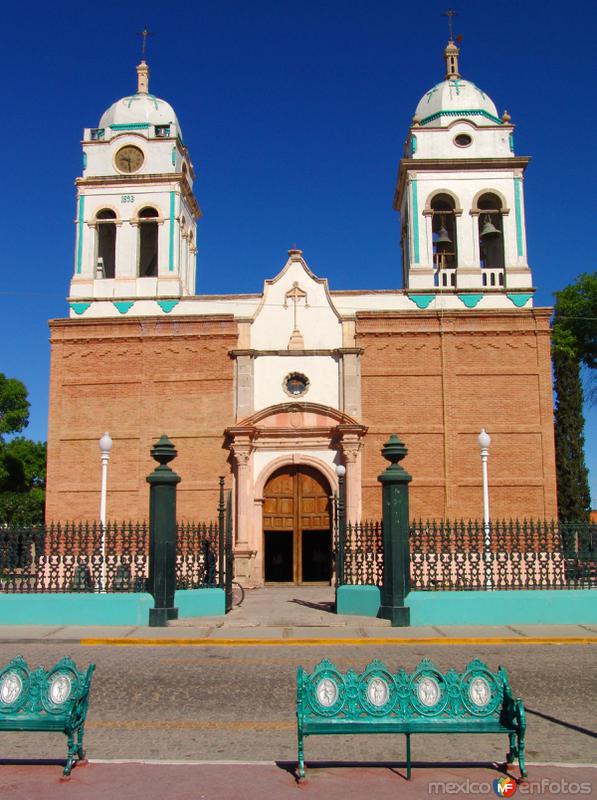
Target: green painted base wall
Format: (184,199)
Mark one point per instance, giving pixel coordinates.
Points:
(200,602)
(361,601)
(541,607)
(75,609)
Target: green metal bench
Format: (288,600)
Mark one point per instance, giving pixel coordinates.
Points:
(425,701)
(52,700)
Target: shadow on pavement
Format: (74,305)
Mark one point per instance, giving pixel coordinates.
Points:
(330,607)
(556,721)
(394,766)
(40,762)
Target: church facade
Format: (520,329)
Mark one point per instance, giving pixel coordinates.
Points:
(275,390)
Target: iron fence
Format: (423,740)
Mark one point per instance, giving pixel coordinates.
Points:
(86,557)
(74,557)
(459,555)
(363,553)
(197,555)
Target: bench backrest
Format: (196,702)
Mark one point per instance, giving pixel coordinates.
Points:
(378,693)
(53,692)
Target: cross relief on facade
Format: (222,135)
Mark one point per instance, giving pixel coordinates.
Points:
(295,295)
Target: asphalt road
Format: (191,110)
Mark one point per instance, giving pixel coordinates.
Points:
(238,703)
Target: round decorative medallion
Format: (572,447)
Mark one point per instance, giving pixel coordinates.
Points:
(326,692)
(60,688)
(479,692)
(462,140)
(378,692)
(295,384)
(428,691)
(11,687)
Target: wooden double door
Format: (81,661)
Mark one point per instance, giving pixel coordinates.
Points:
(297,527)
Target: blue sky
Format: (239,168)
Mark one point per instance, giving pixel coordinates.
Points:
(294,115)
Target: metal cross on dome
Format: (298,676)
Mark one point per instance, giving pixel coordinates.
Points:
(296,294)
(450,13)
(144,34)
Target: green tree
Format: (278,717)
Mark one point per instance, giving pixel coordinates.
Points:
(22,462)
(14,406)
(574,341)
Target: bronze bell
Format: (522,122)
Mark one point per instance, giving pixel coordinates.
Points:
(442,235)
(488,230)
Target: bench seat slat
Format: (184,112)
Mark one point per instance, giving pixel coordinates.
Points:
(311,728)
(25,722)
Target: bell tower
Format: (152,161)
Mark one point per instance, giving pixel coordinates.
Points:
(136,210)
(460,196)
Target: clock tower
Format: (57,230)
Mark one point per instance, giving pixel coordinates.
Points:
(136,210)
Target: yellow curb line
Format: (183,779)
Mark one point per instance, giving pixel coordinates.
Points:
(336,642)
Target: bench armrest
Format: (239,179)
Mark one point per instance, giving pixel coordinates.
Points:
(78,711)
(513,715)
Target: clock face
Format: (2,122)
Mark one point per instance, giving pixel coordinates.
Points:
(129,158)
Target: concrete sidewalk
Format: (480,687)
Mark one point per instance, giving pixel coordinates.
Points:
(211,632)
(296,615)
(238,781)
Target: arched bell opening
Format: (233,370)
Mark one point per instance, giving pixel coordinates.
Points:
(491,239)
(106,243)
(445,245)
(297,526)
(148,243)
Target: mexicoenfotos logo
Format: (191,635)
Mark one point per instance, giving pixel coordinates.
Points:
(504,787)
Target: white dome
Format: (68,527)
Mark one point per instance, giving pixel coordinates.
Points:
(141,107)
(455,98)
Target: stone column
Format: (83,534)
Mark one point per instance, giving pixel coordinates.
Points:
(350,445)
(242,449)
(396,555)
(162,534)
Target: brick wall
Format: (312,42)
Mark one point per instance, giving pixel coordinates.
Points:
(436,380)
(137,378)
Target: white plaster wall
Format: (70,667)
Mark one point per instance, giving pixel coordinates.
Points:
(270,372)
(487,142)
(196,306)
(318,323)
(158,155)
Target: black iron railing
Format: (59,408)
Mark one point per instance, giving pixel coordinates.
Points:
(363,553)
(458,555)
(528,554)
(86,557)
(74,557)
(197,555)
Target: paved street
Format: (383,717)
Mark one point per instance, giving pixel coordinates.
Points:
(220,703)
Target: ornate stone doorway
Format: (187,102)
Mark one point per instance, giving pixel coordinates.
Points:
(297,526)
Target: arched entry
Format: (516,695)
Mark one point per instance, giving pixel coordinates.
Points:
(297,526)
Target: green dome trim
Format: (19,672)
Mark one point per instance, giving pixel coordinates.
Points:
(471,112)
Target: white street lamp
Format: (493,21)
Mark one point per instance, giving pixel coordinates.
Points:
(484,440)
(105,445)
